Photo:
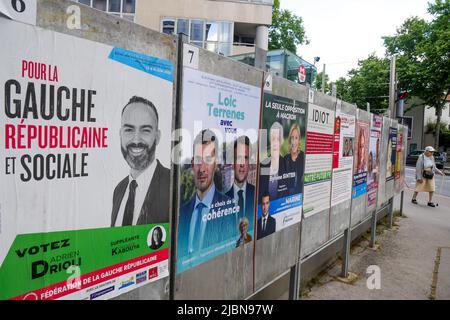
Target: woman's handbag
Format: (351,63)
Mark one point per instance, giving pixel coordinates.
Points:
(427,174)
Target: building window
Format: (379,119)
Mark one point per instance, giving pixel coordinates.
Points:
(183,26)
(216,36)
(168,26)
(196,36)
(114,6)
(129,6)
(125,9)
(244,40)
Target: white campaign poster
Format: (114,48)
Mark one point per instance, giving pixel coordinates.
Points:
(80,122)
(218,166)
(319,153)
(344,134)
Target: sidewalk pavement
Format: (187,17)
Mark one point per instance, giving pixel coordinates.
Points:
(406,256)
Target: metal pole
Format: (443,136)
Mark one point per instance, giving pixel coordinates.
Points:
(323,79)
(401,203)
(373,231)
(346,253)
(347,237)
(392,89)
(182,38)
(391,212)
(294,282)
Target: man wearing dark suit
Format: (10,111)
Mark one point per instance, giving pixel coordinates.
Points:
(242,192)
(143,196)
(266,224)
(200,225)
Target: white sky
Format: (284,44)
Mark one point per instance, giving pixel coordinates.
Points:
(343,32)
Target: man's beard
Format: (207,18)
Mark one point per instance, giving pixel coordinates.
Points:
(142,161)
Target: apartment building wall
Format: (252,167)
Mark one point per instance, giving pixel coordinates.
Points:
(150,12)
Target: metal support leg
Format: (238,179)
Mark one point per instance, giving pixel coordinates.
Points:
(391,212)
(401,203)
(346,253)
(294,282)
(373,231)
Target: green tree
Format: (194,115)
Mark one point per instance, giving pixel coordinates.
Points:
(367,83)
(286,31)
(423,57)
(318,83)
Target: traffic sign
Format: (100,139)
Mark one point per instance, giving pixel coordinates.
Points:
(301,73)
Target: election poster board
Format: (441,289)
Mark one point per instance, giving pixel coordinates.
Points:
(344,136)
(373,166)
(383,186)
(391,154)
(319,157)
(399,153)
(218,152)
(71,150)
(399,177)
(282,158)
(361,159)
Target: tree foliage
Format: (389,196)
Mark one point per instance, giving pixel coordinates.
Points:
(287,30)
(318,83)
(423,57)
(368,82)
(422,50)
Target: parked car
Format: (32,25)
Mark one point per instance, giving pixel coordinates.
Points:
(439,158)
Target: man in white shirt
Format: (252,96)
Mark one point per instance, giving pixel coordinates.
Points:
(143,196)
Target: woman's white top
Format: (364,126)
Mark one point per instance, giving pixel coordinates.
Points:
(428,162)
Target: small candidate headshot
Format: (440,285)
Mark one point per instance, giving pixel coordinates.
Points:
(350,147)
(244,237)
(345,149)
(157,238)
(266,223)
(142,197)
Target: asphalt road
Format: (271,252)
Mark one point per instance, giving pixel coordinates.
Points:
(442,187)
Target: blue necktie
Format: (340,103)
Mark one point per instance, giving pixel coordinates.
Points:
(198,223)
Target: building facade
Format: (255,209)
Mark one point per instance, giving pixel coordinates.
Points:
(283,63)
(420,120)
(227,27)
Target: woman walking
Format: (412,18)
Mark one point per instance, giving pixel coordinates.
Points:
(425,171)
